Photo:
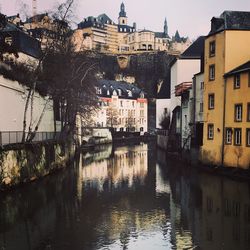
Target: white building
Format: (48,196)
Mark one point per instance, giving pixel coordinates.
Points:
(182,70)
(123,107)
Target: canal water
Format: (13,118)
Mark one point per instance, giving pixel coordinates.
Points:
(128,197)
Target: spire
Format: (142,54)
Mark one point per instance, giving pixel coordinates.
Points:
(177,37)
(165,27)
(122,11)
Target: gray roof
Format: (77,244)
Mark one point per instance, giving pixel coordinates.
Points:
(103,18)
(195,50)
(245,67)
(230,20)
(115,85)
(161,35)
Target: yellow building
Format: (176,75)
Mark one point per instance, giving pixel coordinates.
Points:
(237,117)
(226,47)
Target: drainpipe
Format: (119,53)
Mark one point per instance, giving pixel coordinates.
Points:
(223,122)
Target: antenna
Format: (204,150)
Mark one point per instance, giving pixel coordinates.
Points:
(34,10)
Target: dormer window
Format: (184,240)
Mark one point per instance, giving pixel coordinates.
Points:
(129,93)
(108,92)
(142,95)
(114,92)
(119,92)
(98,91)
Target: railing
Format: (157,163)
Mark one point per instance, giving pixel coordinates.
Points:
(13,137)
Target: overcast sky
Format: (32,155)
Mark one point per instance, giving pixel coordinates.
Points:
(190,17)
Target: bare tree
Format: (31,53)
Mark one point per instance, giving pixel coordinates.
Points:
(69,77)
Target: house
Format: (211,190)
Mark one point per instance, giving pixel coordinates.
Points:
(236,125)
(123,107)
(225,103)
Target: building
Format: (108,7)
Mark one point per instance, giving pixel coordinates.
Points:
(198,108)
(225,103)
(102,34)
(236,125)
(123,107)
(182,71)
(19,48)
(46,29)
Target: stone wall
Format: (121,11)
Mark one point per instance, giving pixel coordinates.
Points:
(28,162)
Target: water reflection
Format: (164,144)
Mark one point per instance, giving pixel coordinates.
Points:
(124,198)
(127,165)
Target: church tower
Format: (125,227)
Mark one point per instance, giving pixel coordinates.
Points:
(122,19)
(165,27)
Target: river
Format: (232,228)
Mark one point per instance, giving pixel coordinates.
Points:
(127,197)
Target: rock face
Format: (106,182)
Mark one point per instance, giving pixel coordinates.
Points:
(150,71)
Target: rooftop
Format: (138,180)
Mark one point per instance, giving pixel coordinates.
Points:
(245,67)
(230,20)
(195,50)
(119,85)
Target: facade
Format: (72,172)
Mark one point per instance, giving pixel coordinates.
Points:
(226,47)
(123,107)
(237,117)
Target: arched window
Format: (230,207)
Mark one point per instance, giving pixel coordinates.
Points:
(114,92)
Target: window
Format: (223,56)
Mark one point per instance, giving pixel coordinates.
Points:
(248,137)
(212,48)
(228,139)
(211,72)
(211,101)
(201,107)
(237,136)
(121,103)
(237,81)
(238,112)
(202,85)
(210,131)
(249,79)
(248,112)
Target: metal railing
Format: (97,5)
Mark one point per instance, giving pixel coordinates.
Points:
(13,137)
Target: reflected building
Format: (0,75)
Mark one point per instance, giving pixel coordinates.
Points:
(209,212)
(127,165)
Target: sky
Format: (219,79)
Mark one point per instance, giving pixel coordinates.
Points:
(191,18)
